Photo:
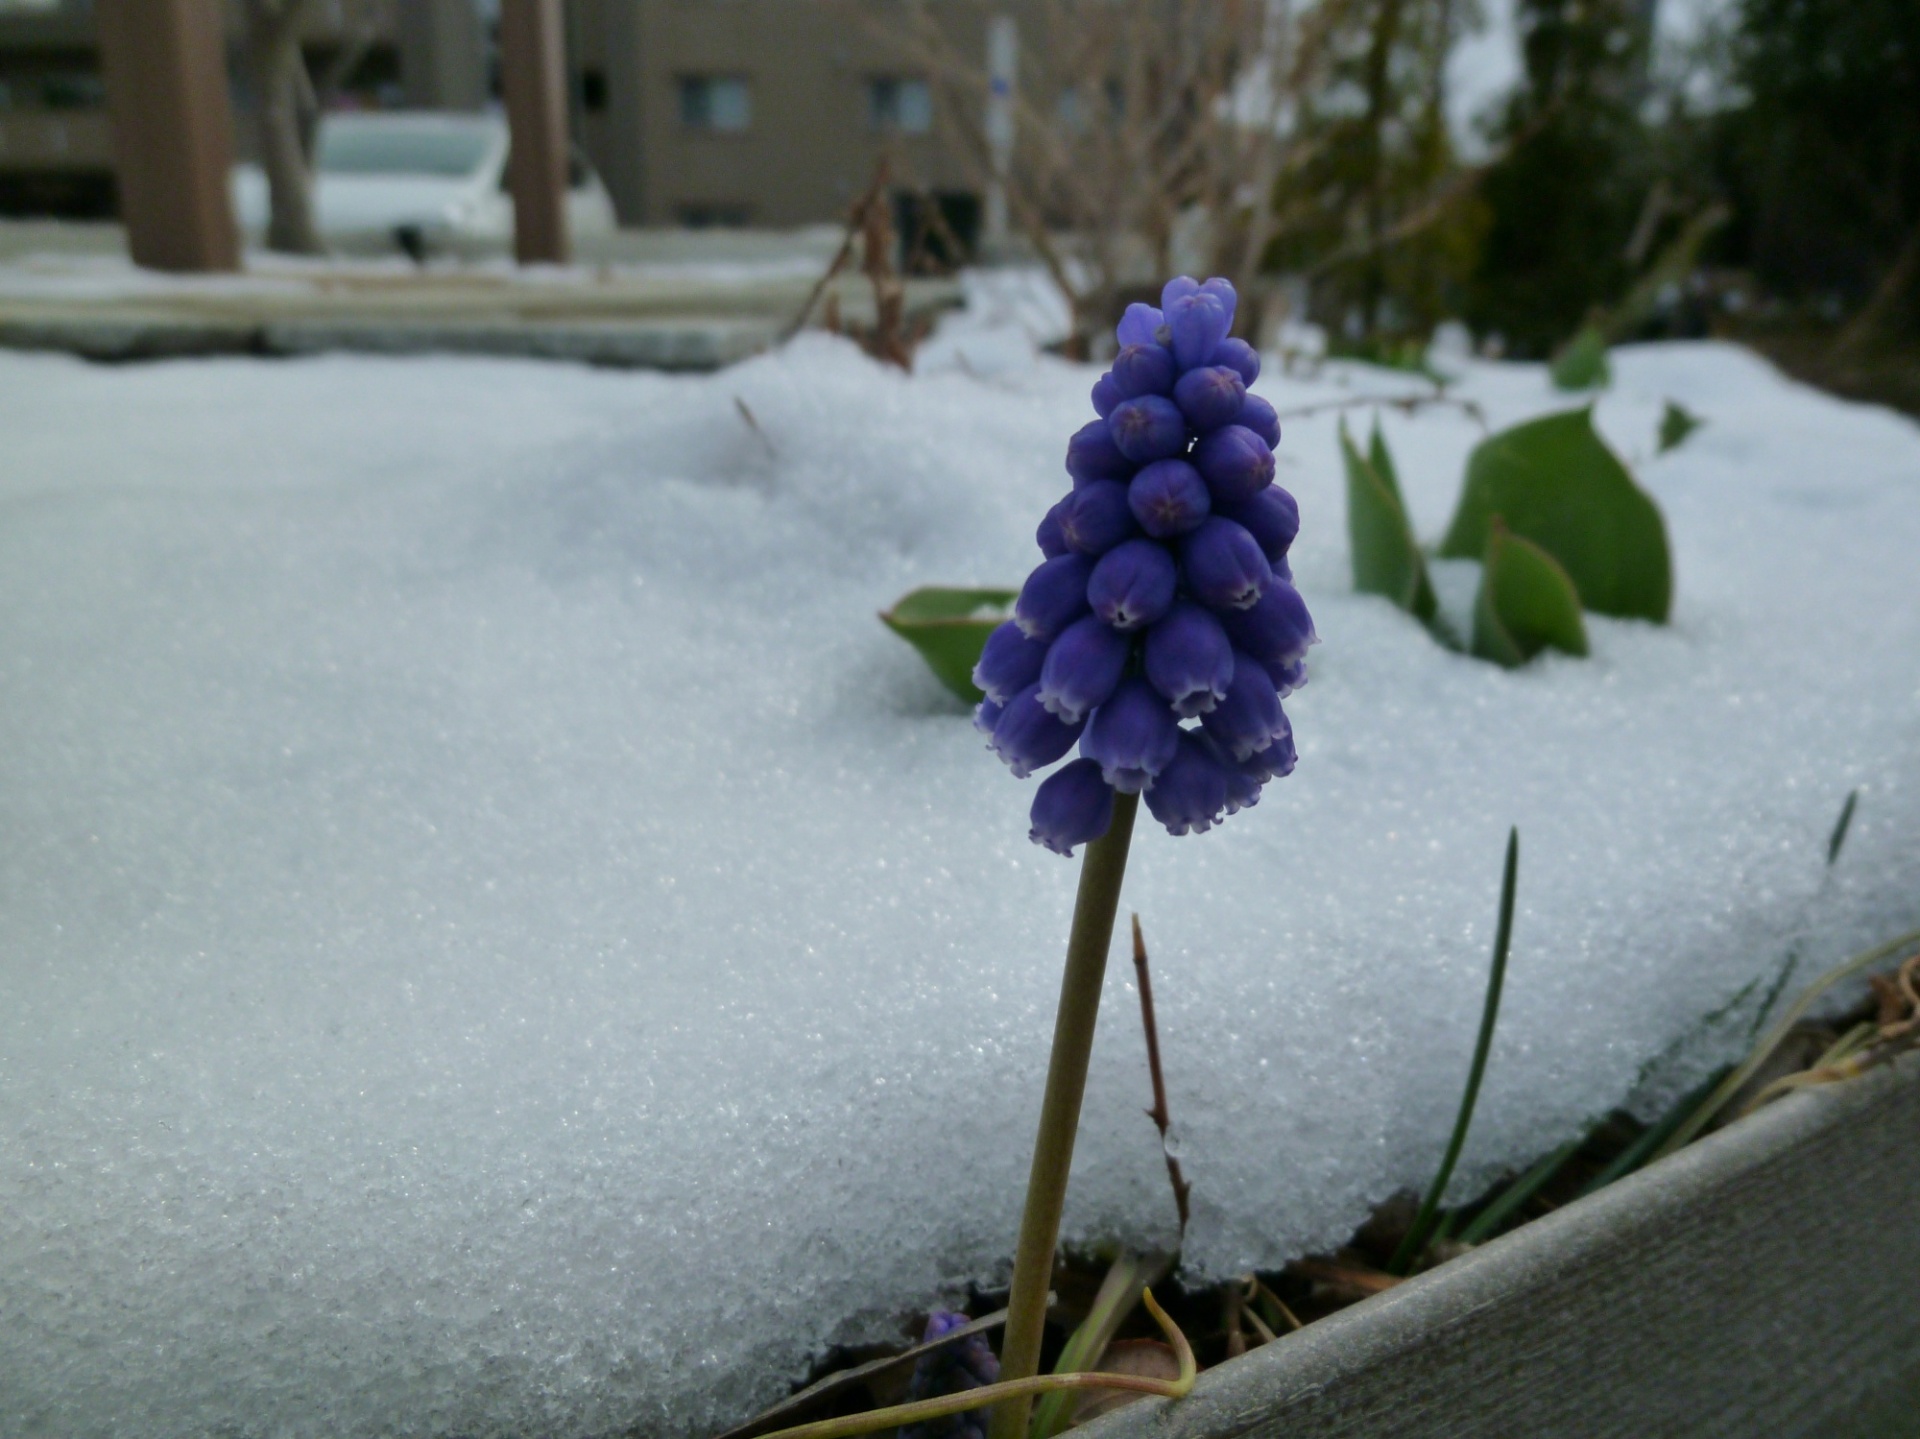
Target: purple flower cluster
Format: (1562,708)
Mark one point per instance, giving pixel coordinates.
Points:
(966,1364)
(1164,596)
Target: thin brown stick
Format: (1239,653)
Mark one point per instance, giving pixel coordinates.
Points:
(1407,404)
(1162,1120)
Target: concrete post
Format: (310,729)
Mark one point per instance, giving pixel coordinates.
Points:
(533,74)
(164,64)
(443,55)
(1003,62)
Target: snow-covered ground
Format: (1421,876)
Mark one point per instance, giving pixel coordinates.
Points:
(496,939)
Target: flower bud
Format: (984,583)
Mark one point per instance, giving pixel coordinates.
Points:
(1169,498)
(1249,718)
(1271,516)
(1139,325)
(1009,662)
(1027,737)
(1132,736)
(1177,289)
(1048,534)
(1054,596)
(1235,462)
(1133,584)
(959,1367)
(1277,760)
(1223,565)
(1238,356)
(1148,428)
(1143,370)
(1257,415)
(1189,659)
(1106,394)
(1073,805)
(1277,629)
(1210,396)
(1082,667)
(1096,517)
(986,715)
(1221,288)
(1198,323)
(1190,794)
(1092,455)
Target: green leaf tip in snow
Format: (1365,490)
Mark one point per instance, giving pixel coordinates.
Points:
(1526,602)
(1555,482)
(1386,557)
(1676,423)
(1582,363)
(950,627)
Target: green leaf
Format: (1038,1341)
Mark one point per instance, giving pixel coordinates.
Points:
(1382,461)
(950,627)
(1526,603)
(1676,423)
(1556,483)
(1386,557)
(1582,364)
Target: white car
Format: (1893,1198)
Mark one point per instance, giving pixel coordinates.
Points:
(419,182)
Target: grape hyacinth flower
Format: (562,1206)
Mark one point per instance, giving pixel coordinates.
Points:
(1159,633)
(964,1364)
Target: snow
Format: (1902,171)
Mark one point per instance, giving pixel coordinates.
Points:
(499,940)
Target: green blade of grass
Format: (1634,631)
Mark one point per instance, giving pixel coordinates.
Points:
(1416,1238)
(1655,1135)
(1488,1221)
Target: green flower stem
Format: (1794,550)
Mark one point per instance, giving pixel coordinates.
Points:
(1101,870)
(1024,1390)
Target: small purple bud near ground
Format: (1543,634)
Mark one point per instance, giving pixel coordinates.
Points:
(1257,415)
(1271,516)
(1132,736)
(1277,630)
(1189,659)
(1133,584)
(1074,805)
(1169,498)
(1092,455)
(1139,325)
(1238,356)
(1082,667)
(1027,737)
(1054,596)
(1235,462)
(966,1364)
(1249,718)
(1143,370)
(1224,566)
(1009,663)
(1148,428)
(1048,534)
(1096,517)
(1106,394)
(1190,795)
(1210,396)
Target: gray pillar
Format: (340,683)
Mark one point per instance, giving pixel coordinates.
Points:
(165,67)
(443,55)
(533,74)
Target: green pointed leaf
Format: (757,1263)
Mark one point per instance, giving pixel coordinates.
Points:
(1526,603)
(950,627)
(1382,461)
(1386,557)
(1556,483)
(1676,423)
(1582,364)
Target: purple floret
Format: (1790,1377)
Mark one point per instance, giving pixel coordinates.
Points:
(1009,662)
(1048,534)
(1054,596)
(1210,396)
(1189,659)
(963,1365)
(1288,677)
(1277,630)
(1257,415)
(1028,738)
(1277,760)
(1238,356)
(1082,667)
(1096,517)
(1148,428)
(1249,718)
(1106,394)
(1133,584)
(1132,736)
(1235,462)
(1074,805)
(1143,370)
(1092,455)
(1168,498)
(1190,795)
(1271,516)
(1139,325)
(1224,566)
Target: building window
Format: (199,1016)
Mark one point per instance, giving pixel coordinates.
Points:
(721,104)
(899,105)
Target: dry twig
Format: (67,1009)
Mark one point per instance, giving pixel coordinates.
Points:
(1162,1120)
